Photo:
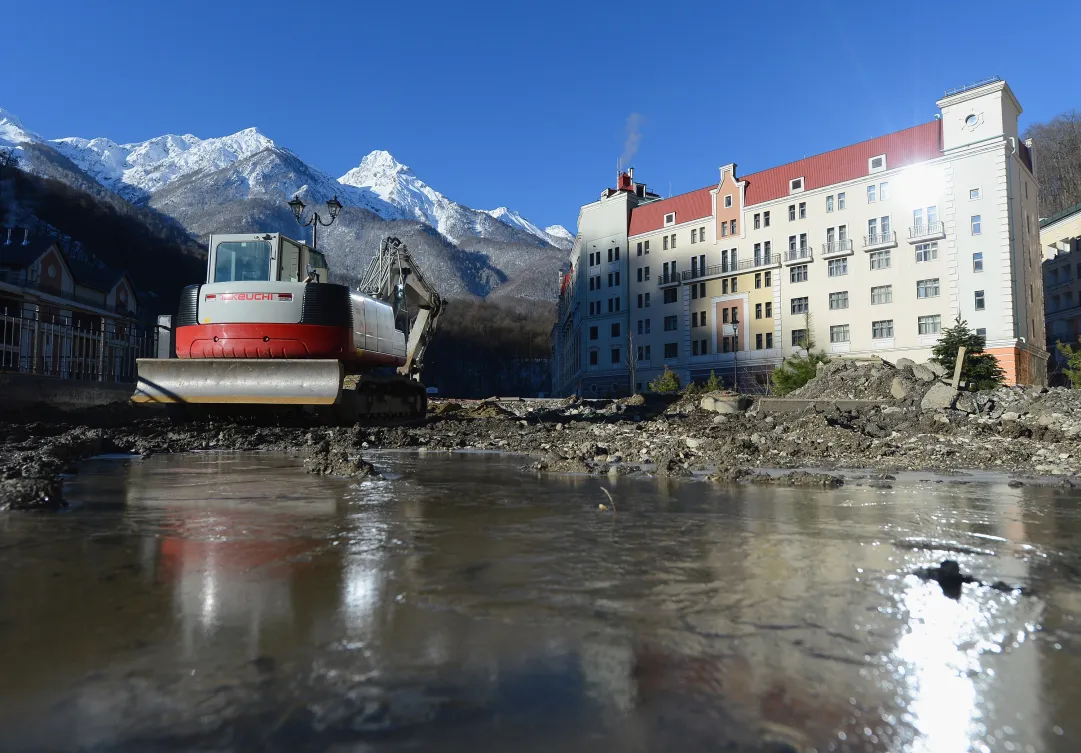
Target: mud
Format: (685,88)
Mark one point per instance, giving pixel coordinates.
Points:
(1028,432)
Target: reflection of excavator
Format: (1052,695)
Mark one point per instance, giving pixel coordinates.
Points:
(266,328)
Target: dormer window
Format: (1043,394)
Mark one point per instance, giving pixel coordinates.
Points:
(795,185)
(670,219)
(876,164)
(728,201)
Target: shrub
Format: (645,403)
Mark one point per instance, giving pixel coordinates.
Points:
(713,384)
(796,370)
(979,367)
(666,384)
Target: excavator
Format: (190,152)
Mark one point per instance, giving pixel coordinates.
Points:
(267,328)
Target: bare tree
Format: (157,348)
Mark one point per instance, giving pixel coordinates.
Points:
(1057,157)
(8,161)
(631,361)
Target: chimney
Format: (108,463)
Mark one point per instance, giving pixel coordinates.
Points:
(630,173)
(26,236)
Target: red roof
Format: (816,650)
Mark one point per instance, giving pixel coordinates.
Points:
(917,144)
(688,206)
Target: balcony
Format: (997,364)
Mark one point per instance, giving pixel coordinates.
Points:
(719,270)
(798,255)
(664,281)
(837,248)
(932,231)
(880,241)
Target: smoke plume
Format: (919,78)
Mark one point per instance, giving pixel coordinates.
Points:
(633,139)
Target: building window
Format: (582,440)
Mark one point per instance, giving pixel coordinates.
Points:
(880,259)
(670,295)
(638,249)
(803,241)
(799,305)
(609,279)
(732,227)
(799,338)
(615,355)
(794,185)
(798,273)
(647,247)
(724,229)
(927,288)
(839,300)
(593,358)
(671,350)
(673,240)
(837,267)
(883,191)
(640,274)
(769,309)
(734,281)
(791,212)
(839,333)
(639,300)
(694,319)
(647,302)
(977,261)
(641,326)
(758,311)
(973,193)
(648,322)
(930,325)
(664,243)
(803,210)
(982,332)
(926,251)
(979,300)
(975,224)
(670,219)
(840,201)
(792,244)
(871,194)
(882,294)
(768,279)
(703,347)
(758,342)
(701,235)
(765,219)
(728,201)
(671,323)
(724,286)
(757,221)
(829,203)
(694,347)
(594,333)
(757,280)
(876,164)
(615,329)
(882,329)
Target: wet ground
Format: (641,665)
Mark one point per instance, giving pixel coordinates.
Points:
(220,602)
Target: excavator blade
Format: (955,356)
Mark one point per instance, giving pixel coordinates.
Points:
(239,380)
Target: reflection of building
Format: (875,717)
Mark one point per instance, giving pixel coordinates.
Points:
(871,249)
(63,316)
(1060,237)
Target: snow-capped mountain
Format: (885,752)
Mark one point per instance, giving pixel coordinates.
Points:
(241,183)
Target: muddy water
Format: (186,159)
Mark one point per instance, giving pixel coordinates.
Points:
(229,602)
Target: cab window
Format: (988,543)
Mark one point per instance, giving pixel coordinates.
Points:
(240,261)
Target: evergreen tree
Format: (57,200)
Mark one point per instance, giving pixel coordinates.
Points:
(796,370)
(979,367)
(1072,369)
(713,384)
(666,384)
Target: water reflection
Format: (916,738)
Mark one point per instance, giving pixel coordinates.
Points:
(468,604)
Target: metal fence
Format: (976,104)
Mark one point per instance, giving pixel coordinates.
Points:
(100,350)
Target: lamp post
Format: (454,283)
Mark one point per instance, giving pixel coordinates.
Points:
(333,206)
(735,350)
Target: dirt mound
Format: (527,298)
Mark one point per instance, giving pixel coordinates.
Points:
(841,379)
(487,409)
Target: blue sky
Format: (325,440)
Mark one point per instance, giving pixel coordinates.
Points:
(526,104)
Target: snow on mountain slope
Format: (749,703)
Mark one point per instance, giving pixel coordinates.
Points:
(142,168)
(13,132)
(557,235)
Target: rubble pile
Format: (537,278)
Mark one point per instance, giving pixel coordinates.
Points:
(908,418)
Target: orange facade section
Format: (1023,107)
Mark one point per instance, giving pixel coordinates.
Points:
(1019,364)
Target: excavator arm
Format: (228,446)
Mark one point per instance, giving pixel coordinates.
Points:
(393,276)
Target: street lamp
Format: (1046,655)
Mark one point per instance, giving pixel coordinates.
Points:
(333,206)
(735,349)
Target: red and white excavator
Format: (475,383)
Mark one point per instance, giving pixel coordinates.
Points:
(267,328)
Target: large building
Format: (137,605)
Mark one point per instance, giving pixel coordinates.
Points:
(1060,237)
(871,249)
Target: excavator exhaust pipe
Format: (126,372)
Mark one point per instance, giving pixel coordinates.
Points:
(251,381)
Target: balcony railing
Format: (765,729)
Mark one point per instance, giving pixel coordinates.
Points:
(727,268)
(669,279)
(929,231)
(802,253)
(831,248)
(880,240)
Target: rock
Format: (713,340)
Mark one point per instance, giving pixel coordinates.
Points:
(31,494)
(719,403)
(898,388)
(1010,416)
(692,443)
(967,403)
(937,369)
(905,363)
(939,397)
(336,461)
(924,374)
